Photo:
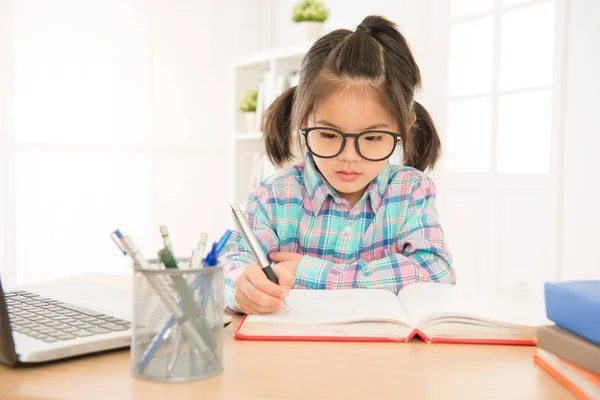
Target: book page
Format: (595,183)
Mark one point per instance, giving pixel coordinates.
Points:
(337,306)
(517,305)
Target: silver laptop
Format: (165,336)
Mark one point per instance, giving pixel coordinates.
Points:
(64,318)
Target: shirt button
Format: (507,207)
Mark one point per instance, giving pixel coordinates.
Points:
(348,230)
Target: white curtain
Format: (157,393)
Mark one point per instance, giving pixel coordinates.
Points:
(515,78)
(114,115)
(500,68)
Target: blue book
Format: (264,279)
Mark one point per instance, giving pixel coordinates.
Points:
(575,306)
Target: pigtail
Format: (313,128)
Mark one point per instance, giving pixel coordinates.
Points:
(422,147)
(277,133)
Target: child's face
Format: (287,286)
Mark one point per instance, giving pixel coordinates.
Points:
(351,112)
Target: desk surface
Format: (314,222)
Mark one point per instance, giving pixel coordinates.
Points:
(303,370)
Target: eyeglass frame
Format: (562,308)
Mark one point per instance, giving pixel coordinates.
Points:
(305,131)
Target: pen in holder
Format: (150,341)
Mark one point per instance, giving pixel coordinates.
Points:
(178,322)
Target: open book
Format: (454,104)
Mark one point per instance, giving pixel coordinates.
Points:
(434,312)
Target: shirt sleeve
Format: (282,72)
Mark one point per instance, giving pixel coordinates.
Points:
(237,254)
(422,255)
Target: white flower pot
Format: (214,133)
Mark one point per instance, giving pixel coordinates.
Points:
(310,31)
(250,120)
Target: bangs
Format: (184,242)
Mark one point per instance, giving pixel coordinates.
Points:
(326,85)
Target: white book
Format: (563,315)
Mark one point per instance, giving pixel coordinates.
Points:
(434,312)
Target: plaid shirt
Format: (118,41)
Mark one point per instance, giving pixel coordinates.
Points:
(392,237)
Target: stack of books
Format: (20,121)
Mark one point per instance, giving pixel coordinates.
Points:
(569,350)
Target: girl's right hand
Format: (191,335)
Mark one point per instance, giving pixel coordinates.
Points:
(256,294)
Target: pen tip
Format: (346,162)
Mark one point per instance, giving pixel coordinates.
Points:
(164,230)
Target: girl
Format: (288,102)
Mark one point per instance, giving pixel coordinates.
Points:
(345,217)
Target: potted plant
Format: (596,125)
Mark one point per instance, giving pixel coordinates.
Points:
(248,107)
(310,16)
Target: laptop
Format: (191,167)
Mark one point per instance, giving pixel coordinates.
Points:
(65,318)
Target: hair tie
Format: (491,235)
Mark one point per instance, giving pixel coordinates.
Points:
(361,26)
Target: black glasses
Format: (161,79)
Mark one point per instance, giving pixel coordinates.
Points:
(329,143)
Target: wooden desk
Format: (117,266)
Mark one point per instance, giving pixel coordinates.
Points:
(305,370)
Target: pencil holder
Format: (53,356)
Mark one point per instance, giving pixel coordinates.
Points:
(177,323)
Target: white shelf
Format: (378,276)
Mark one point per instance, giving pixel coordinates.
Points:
(248,136)
(275,67)
(266,56)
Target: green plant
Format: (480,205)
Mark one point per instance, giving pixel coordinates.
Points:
(310,10)
(249,101)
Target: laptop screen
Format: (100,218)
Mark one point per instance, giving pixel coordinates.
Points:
(7,346)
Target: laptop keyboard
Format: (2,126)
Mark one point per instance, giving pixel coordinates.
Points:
(52,321)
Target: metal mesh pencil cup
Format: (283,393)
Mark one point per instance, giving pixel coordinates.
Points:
(177,323)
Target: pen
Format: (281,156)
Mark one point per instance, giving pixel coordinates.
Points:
(133,251)
(117,237)
(168,259)
(211,258)
(181,287)
(175,344)
(250,238)
(166,329)
(164,232)
(196,258)
(185,293)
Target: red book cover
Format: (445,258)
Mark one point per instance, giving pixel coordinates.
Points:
(562,379)
(240,336)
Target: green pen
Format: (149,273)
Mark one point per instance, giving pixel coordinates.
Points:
(189,304)
(166,256)
(164,232)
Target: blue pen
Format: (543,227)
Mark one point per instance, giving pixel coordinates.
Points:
(162,335)
(211,258)
(117,237)
(140,261)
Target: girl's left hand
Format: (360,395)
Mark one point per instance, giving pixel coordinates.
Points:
(286,260)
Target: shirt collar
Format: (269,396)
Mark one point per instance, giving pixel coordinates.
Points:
(318,190)
(376,189)
(316,187)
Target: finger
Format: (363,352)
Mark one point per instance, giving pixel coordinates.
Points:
(249,307)
(281,256)
(241,300)
(259,299)
(245,304)
(284,276)
(243,307)
(257,277)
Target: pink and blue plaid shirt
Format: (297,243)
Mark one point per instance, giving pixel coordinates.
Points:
(392,237)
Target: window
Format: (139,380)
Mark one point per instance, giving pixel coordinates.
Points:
(500,77)
(80,140)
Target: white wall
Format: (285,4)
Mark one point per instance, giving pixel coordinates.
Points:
(132,96)
(414,20)
(5,83)
(193,42)
(580,216)
(278,29)
(577,218)
(195,110)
